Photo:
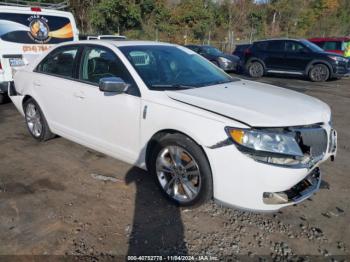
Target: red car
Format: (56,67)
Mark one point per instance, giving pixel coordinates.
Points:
(339,45)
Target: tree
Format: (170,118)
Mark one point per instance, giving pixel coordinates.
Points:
(110,16)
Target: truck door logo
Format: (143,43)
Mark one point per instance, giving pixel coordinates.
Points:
(38,29)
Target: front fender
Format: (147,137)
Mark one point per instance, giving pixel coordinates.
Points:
(318,61)
(202,127)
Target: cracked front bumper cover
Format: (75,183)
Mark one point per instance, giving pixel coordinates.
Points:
(301,191)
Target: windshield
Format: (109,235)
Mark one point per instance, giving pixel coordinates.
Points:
(211,50)
(312,46)
(172,67)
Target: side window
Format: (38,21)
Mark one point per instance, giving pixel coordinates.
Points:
(294,47)
(59,62)
(98,62)
(276,46)
(261,46)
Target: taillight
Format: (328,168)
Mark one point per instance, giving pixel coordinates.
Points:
(0,66)
(35,9)
(247,51)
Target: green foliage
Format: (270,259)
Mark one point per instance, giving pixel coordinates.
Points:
(110,16)
(224,21)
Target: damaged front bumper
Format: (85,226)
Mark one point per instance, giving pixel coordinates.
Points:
(244,183)
(301,191)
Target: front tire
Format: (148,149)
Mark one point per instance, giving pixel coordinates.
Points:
(181,170)
(255,69)
(36,122)
(319,73)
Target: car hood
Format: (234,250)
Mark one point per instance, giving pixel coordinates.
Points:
(330,53)
(256,104)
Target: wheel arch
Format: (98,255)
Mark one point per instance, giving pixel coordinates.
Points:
(255,59)
(161,133)
(25,99)
(318,61)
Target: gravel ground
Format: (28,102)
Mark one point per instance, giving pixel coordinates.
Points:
(59,198)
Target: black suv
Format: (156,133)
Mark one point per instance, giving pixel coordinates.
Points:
(296,57)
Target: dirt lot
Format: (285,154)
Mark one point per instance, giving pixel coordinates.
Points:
(52,201)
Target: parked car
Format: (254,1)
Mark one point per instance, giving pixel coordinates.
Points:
(338,45)
(224,61)
(295,57)
(26,32)
(201,133)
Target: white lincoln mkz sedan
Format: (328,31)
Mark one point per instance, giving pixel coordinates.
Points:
(201,133)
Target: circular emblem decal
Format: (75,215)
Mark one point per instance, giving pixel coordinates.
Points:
(39,29)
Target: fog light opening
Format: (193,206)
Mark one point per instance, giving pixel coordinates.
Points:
(275,198)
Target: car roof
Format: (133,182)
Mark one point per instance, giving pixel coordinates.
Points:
(324,39)
(279,39)
(201,46)
(117,43)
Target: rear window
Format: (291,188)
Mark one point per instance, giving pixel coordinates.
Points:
(34,28)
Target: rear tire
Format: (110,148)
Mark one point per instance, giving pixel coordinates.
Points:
(181,170)
(319,73)
(255,69)
(36,121)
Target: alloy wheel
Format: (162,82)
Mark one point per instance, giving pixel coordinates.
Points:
(319,73)
(256,69)
(33,119)
(178,173)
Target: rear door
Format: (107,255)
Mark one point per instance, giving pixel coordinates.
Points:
(56,90)
(274,57)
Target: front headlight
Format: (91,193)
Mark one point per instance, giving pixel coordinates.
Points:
(224,60)
(338,58)
(265,143)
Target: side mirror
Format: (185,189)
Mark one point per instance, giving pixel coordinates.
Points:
(113,84)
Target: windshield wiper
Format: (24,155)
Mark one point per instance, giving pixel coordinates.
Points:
(167,86)
(221,82)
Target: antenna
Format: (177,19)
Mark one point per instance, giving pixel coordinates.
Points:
(20,3)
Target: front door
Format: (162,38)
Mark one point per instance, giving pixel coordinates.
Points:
(110,121)
(297,57)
